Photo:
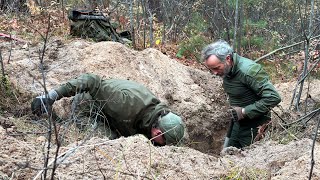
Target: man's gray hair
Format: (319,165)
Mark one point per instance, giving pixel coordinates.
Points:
(219,48)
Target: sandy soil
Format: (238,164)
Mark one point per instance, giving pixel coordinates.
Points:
(135,158)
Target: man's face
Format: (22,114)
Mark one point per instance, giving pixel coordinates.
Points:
(158,137)
(218,67)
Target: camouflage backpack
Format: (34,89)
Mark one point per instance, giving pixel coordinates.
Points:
(92,24)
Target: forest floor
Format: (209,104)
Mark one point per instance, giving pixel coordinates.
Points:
(188,89)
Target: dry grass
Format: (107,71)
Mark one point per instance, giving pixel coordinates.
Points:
(285,127)
(239,173)
(12,99)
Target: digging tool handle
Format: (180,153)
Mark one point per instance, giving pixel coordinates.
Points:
(226,141)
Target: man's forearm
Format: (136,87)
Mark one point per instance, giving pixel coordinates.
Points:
(85,82)
(269,99)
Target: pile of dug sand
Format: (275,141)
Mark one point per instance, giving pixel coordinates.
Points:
(311,91)
(134,158)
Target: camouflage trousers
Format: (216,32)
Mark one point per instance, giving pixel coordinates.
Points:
(88,115)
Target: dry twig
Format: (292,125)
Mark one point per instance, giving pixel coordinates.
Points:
(312,150)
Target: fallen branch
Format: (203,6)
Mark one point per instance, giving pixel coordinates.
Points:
(286,130)
(12,38)
(314,66)
(19,133)
(304,117)
(282,48)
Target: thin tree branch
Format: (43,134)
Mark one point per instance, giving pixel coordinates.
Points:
(2,66)
(41,57)
(314,66)
(236,25)
(294,93)
(304,117)
(306,60)
(11,42)
(283,48)
(58,144)
(312,150)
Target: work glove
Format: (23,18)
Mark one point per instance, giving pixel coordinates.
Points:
(42,104)
(237,113)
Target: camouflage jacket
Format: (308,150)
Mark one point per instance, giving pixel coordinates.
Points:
(130,107)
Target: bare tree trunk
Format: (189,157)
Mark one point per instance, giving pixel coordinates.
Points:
(307,45)
(227,20)
(154,6)
(150,24)
(132,25)
(236,25)
(2,65)
(240,28)
(165,20)
(63,9)
(164,32)
(143,4)
(138,21)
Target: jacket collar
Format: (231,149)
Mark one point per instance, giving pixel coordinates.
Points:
(235,59)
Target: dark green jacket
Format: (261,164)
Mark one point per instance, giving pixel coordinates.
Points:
(248,86)
(130,107)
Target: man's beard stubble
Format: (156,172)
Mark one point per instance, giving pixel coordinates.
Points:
(226,70)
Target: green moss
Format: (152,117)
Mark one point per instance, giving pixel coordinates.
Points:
(238,173)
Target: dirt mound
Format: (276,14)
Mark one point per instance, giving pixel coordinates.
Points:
(270,160)
(194,94)
(135,158)
(311,87)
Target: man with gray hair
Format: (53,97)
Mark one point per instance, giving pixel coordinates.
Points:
(251,94)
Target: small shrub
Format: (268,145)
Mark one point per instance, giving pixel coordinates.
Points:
(192,47)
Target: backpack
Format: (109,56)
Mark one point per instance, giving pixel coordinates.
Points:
(94,25)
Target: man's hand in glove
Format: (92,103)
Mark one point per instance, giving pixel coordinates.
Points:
(237,113)
(42,104)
